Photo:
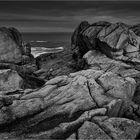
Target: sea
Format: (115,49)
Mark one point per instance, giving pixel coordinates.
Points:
(42,43)
(47,39)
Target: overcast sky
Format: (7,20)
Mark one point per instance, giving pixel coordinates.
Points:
(64,16)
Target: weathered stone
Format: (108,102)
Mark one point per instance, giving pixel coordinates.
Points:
(114,107)
(121,128)
(117,86)
(55,98)
(129,73)
(90,130)
(9,50)
(10,80)
(97,93)
(116,41)
(96,59)
(89,73)
(64,130)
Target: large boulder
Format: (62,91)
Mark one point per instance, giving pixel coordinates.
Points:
(117,41)
(10,51)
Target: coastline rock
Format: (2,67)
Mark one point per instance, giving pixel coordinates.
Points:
(63,104)
(122,128)
(118,87)
(10,51)
(116,41)
(90,130)
(78,105)
(10,81)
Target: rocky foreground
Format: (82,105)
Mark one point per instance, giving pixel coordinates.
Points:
(99,101)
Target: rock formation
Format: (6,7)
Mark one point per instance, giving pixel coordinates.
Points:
(116,41)
(69,105)
(16,55)
(100,102)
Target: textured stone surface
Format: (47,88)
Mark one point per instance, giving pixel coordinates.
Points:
(90,130)
(116,41)
(83,104)
(63,104)
(121,128)
(9,49)
(10,80)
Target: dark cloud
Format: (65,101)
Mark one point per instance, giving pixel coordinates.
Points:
(51,16)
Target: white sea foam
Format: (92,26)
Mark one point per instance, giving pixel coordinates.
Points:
(36,51)
(39,41)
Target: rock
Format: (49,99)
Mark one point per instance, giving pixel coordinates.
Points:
(59,98)
(17,37)
(77,48)
(97,93)
(98,61)
(117,86)
(121,128)
(129,73)
(5,101)
(68,105)
(10,80)
(90,130)
(10,51)
(114,107)
(89,73)
(16,55)
(116,41)
(64,130)
(136,29)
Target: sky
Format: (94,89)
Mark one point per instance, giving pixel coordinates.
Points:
(64,16)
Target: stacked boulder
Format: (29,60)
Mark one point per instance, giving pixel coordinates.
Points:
(17,64)
(116,41)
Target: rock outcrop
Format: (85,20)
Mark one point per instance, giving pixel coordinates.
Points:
(16,55)
(65,103)
(96,103)
(116,41)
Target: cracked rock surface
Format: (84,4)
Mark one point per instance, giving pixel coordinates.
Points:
(101,102)
(66,106)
